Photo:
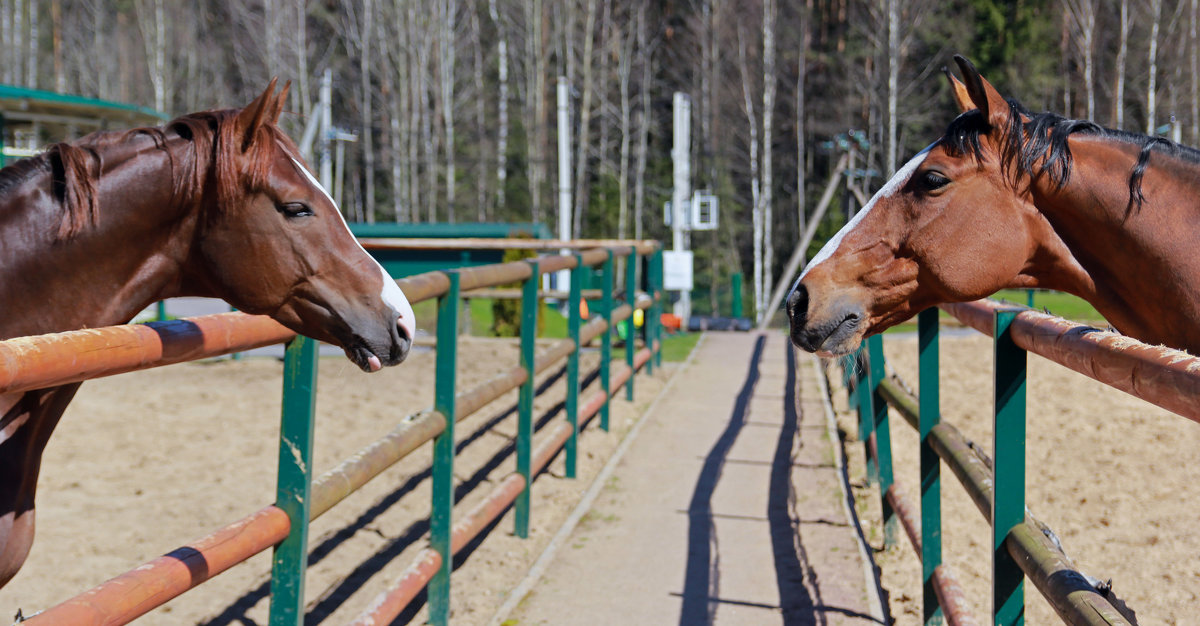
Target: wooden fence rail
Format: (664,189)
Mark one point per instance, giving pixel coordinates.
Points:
(35,362)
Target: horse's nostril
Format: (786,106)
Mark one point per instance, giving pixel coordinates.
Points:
(797,303)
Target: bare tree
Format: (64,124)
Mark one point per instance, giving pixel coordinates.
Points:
(755,202)
(585,119)
(1081,24)
(449,13)
(154,36)
(644,121)
(624,69)
(501,106)
(768,184)
(1152,62)
(1194,61)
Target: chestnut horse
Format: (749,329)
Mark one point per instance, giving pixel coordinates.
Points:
(1007,198)
(214,204)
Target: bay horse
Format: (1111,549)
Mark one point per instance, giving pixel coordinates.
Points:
(217,204)
(1011,199)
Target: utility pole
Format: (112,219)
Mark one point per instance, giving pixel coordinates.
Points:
(681,257)
(564,170)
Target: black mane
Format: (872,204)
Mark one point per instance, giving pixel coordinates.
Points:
(1035,145)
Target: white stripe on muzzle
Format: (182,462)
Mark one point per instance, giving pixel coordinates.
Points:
(897,181)
(390,294)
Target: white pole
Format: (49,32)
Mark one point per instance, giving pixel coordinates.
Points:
(681,198)
(564,169)
(326,130)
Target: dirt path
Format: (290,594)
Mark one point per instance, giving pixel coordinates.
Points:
(727,508)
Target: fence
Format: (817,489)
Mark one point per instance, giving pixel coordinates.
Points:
(1021,547)
(35,362)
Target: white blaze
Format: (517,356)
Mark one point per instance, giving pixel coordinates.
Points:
(901,177)
(391,294)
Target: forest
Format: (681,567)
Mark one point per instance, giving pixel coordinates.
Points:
(452,102)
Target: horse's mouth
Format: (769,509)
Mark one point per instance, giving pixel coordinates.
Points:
(844,339)
(369,360)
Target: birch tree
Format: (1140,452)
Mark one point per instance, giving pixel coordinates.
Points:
(1152,62)
(768,184)
(501,106)
(1081,15)
(755,202)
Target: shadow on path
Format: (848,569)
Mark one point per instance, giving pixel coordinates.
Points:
(702,576)
(791,560)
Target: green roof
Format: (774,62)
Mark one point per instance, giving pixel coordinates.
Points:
(21,104)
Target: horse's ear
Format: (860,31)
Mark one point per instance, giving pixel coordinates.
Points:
(983,95)
(280,100)
(961,97)
(255,115)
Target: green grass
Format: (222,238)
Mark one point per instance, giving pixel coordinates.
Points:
(1057,303)
(675,347)
(482,321)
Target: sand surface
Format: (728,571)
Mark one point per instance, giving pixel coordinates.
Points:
(1111,474)
(145,462)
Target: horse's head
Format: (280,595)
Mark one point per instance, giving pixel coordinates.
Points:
(277,245)
(954,224)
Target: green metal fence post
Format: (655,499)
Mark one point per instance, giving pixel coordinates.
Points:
(736,286)
(1029,298)
(631,267)
(295,480)
(161,310)
(931,500)
(529,315)
(574,320)
(862,388)
(440,520)
(883,436)
(606,299)
(1008,454)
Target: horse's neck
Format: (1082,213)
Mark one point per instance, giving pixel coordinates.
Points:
(111,269)
(1140,270)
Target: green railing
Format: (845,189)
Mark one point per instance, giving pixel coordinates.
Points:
(996,484)
(300,497)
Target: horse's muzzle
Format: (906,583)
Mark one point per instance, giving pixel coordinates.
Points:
(831,332)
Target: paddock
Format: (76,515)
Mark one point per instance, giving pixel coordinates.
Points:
(1108,472)
(179,471)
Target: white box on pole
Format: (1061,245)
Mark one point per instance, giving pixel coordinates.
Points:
(677,270)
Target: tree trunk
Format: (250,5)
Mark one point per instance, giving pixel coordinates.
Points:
(801,71)
(1152,62)
(644,120)
(502,108)
(535,104)
(893,83)
(768,185)
(755,203)
(446,64)
(481,162)
(368,122)
(624,66)
(1122,53)
(1194,59)
(585,121)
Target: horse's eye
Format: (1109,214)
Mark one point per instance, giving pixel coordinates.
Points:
(295,209)
(932,180)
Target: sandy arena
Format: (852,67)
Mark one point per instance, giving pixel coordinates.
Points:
(143,463)
(1109,473)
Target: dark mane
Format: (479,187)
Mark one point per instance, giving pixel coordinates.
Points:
(1035,145)
(213,147)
